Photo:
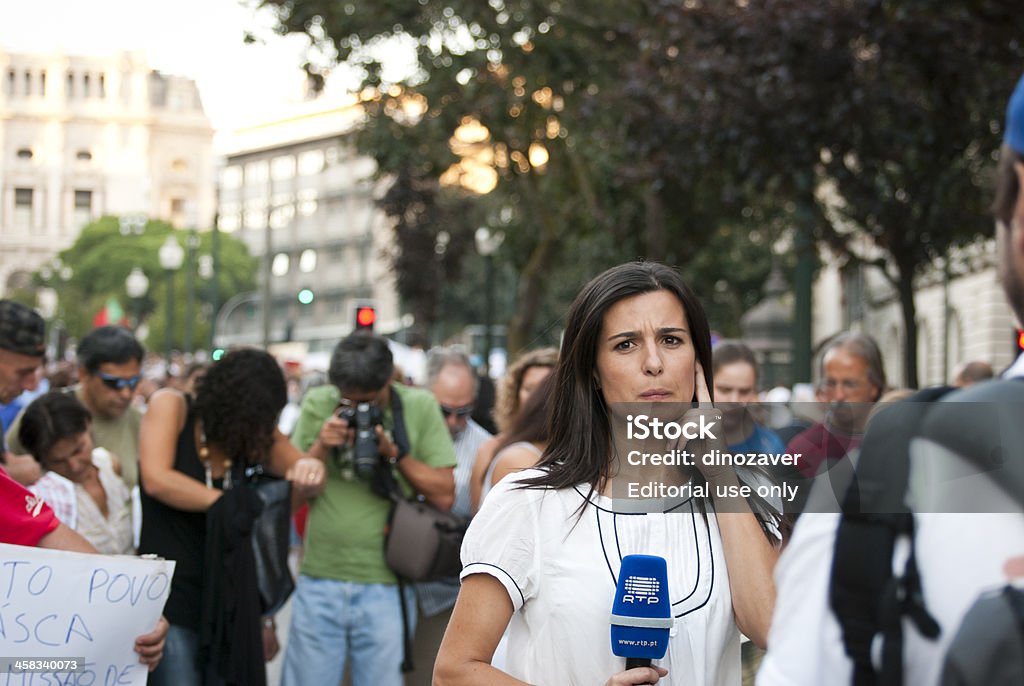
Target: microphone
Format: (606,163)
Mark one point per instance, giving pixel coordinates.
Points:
(641,614)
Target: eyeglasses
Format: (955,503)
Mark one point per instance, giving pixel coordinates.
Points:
(460,412)
(117,383)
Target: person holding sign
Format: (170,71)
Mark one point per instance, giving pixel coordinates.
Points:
(192,451)
(543,554)
(24,518)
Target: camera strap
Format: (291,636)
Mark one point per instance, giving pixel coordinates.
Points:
(398,432)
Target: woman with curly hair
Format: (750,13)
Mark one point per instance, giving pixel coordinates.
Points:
(515,388)
(191,452)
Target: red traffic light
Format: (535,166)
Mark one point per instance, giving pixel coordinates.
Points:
(1020,340)
(365,317)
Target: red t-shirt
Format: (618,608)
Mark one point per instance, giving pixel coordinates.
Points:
(25,518)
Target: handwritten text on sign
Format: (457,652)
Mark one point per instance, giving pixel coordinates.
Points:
(56,604)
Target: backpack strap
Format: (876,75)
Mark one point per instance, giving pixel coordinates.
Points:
(864,595)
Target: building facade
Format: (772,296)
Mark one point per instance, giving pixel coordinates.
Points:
(293,189)
(81,137)
(962,314)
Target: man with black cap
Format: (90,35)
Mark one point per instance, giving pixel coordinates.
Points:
(24,518)
(22,346)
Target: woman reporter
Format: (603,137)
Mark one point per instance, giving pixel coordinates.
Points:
(542,557)
(191,452)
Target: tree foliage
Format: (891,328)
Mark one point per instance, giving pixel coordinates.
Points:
(673,130)
(102,257)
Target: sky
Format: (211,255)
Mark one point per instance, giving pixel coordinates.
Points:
(201,39)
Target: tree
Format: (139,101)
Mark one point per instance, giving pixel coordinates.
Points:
(857,119)
(512,117)
(101,258)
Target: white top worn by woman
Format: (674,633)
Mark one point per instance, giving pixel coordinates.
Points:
(560,571)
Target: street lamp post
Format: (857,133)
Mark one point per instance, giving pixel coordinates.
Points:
(136,285)
(487,243)
(190,286)
(171,256)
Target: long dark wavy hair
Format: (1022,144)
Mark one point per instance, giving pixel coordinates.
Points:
(580,441)
(239,399)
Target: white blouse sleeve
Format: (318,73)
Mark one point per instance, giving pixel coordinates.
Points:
(502,539)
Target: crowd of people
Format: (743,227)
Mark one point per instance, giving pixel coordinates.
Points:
(548,529)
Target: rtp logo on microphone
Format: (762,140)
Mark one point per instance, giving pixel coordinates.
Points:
(641,589)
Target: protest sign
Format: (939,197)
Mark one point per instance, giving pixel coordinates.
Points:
(72,619)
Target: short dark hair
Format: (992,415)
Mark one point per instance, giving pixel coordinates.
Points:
(731,352)
(50,418)
(361,362)
(580,444)
(239,399)
(108,345)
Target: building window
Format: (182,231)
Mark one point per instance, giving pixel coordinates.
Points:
(70,85)
(229,223)
(83,208)
(11,79)
(102,86)
(24,154)
(23,207)
(42,82)
(28,82)
(231,177)
(282,168)
(306,201)
(332,155)
(283,210)
(179,166)
(255,213)
(83,156)
(256,172)
(311,162)
(279,267)
(307,260)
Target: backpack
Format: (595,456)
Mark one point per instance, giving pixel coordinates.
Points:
(867,598)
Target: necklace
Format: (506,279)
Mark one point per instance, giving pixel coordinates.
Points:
(204,457)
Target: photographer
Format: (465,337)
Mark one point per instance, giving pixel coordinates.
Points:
(347,603)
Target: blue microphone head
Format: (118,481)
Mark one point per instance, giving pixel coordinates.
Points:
(642,613)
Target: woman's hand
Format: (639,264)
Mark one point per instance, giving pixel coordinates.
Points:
(308,476)
(150,647)
(712,417)
(637,675)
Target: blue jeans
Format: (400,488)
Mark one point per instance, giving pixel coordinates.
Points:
(335,620)
(178,666)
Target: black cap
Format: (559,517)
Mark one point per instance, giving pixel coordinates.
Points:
(22,330)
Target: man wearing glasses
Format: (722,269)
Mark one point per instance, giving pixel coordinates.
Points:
(852,379)
(347,609)
(109,371)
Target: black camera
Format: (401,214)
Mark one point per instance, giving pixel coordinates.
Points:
(364,418)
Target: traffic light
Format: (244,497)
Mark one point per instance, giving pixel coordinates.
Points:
(365,317)
(1019,339)
(217,354)
(305,296)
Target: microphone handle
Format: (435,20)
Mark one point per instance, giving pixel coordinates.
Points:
(632,662)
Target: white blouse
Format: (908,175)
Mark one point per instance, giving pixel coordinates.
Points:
(560,571)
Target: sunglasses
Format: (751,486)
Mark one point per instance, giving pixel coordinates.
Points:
(116,383)
(460,412)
